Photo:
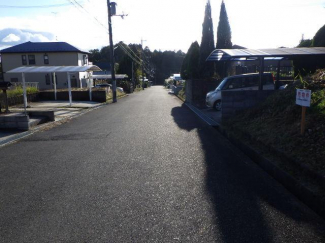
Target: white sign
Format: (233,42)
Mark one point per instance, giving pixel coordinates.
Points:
(303,97)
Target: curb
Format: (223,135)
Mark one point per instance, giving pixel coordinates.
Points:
(201,115)
(305,195)
(19,136)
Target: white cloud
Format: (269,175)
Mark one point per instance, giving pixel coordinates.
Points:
(37,37)
(174,25)
(11,38)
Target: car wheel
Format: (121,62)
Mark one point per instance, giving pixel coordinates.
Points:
(217,105)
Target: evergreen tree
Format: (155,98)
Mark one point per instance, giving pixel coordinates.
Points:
(309,64)
(207,44)
(305,43)
(224,31)
(319,38)
(190,66)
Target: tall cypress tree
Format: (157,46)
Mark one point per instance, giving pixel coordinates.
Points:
(224,32)
(319,38)
(207,44)
(190,66)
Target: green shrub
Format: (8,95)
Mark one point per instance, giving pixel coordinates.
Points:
(18,91)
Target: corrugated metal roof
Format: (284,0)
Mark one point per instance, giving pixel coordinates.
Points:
(34,47)
(231,54)
(109,76)
(54,69)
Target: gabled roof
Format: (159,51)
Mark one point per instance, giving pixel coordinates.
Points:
(33,47)
(103,65)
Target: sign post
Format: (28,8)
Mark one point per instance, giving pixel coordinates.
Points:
(303,99)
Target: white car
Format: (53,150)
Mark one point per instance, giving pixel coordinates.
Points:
(239,82)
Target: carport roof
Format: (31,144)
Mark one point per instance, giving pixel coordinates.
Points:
(232,54)
(109,76)
(54,69)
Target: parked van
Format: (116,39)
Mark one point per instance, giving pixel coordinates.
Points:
(239,82)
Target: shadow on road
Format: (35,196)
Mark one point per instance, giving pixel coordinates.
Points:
(248,205)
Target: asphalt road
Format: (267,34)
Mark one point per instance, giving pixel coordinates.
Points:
(145,169)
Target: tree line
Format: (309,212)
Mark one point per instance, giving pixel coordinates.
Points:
(158,65)
(309,64)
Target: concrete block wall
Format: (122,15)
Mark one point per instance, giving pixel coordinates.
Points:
(176,89)
(20,122)
(196,90)
(16,100)
(188,91)
(98,96)
(234,101)
(48,114)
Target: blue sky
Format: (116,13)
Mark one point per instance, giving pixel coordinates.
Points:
(164,24)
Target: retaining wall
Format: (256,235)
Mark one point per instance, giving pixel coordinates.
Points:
(196,90)
(15,121)
(176,89)
(235,101)
(98,96)
(17,100)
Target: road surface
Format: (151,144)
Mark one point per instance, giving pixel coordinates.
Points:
(145,169)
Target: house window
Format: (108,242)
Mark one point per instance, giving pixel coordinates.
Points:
(85,59)
(24,59)
(46,59)
(47,79)
(31,59)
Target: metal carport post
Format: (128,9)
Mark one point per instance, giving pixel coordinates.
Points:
(262,54)
(24,93)
(69,88)
(49,69)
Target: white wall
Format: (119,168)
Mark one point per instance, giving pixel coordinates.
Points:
(11,61)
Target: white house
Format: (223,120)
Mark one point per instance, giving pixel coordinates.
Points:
(44,54)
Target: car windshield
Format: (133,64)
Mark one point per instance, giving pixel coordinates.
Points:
(220,86)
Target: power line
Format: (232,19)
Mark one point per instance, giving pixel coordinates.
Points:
(76,4)
(38,6)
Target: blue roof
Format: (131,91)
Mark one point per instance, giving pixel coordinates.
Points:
(103,65)
(29,47)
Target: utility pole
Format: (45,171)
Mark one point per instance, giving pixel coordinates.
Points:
(142,63)
(111,49)
(133,83)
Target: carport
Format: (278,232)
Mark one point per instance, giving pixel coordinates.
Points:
(109,76)
(54,69)
(227,55)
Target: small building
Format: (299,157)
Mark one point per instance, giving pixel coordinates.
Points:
(44,54)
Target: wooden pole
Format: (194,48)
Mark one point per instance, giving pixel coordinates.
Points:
(111,50)
(303,120)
